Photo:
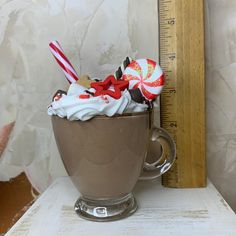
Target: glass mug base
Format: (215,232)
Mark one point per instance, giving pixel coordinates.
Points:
(106,209)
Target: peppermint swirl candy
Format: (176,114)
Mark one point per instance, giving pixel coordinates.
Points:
(146,75)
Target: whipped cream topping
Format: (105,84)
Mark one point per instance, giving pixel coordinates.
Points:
(73,107)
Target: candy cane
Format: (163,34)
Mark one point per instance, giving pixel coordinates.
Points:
(63,62)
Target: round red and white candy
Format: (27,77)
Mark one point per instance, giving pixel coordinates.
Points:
(146,75)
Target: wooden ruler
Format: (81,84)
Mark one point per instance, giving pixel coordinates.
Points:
(183,101)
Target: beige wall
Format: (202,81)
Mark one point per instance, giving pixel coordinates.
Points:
(221,95)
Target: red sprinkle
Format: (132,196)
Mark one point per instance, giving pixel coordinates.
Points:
(105,99)
(84,96)
(57,97)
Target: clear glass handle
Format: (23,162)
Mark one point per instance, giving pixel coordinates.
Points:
(162,150)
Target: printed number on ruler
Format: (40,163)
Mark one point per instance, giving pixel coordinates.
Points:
(168,61)
(168,64)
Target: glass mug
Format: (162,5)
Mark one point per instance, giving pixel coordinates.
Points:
(105,157)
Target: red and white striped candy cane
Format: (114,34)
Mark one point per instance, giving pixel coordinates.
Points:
(63,62)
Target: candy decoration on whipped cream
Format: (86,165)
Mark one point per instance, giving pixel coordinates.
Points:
(63,62)
(110,86)
(58,95)
(84,96)
(123,66)
(136,95)
(146,75)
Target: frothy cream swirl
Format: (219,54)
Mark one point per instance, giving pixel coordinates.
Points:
(73,107)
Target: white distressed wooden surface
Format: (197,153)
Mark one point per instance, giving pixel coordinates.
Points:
(162,211)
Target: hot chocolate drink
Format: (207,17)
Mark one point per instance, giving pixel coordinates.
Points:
(103,130)
(104,156)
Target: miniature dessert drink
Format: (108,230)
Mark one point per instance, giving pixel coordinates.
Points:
(104,133)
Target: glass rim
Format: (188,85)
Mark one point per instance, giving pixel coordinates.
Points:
(125,115)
